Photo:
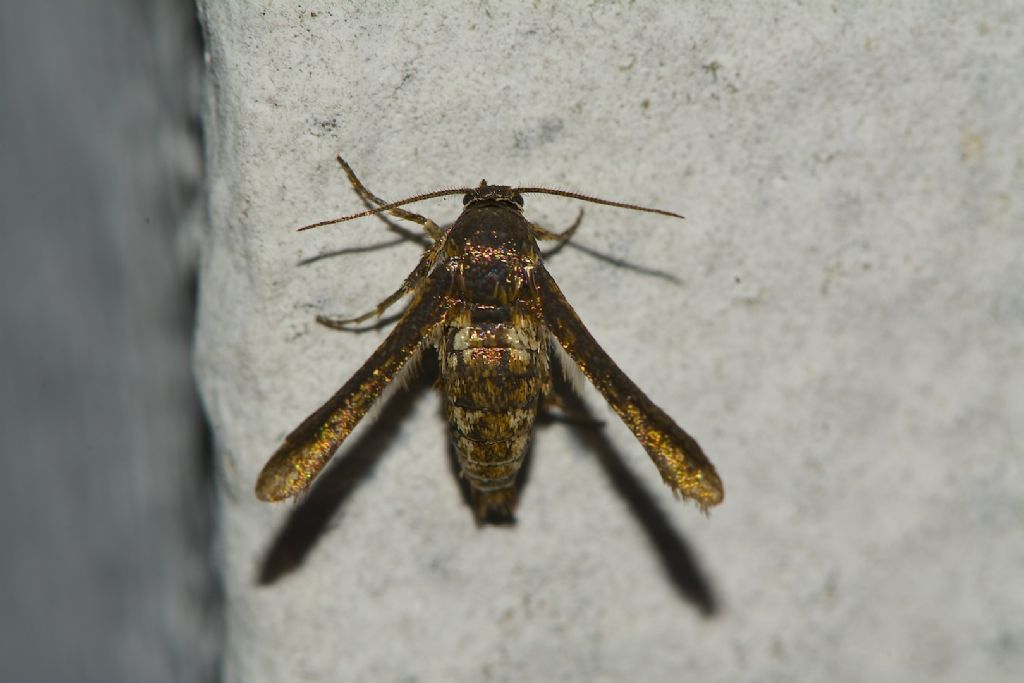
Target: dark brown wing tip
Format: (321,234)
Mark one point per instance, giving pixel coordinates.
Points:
(269,489)
(282,478)
(706,491)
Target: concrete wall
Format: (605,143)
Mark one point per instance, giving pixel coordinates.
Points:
(840,321)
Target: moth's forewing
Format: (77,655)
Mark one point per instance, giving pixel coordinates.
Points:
(682,463)
(308,448)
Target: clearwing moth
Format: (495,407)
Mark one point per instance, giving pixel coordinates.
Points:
(480,294)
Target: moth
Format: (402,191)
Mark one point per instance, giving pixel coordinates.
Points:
(481,296)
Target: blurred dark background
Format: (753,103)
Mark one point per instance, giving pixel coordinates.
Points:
(105,522)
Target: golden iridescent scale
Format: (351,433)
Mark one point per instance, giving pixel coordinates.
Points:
(482,295)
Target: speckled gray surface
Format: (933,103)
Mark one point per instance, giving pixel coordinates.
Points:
(105,516)
(843,332)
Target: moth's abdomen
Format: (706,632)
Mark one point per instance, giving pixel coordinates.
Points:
(493,375)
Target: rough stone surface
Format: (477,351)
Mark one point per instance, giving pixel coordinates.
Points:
(840,321)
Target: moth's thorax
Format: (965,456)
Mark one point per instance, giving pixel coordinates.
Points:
(492,226)
(491,250)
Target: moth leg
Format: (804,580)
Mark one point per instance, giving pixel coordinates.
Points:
(410,283)
(678,457)
(429,226)
(338,323)
(542,233)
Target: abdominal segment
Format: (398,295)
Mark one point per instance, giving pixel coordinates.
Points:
(493,375)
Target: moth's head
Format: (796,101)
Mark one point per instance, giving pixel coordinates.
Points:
(493,194)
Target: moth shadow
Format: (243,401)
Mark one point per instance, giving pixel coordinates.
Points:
(403,233)
(314,513)
(677,557)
